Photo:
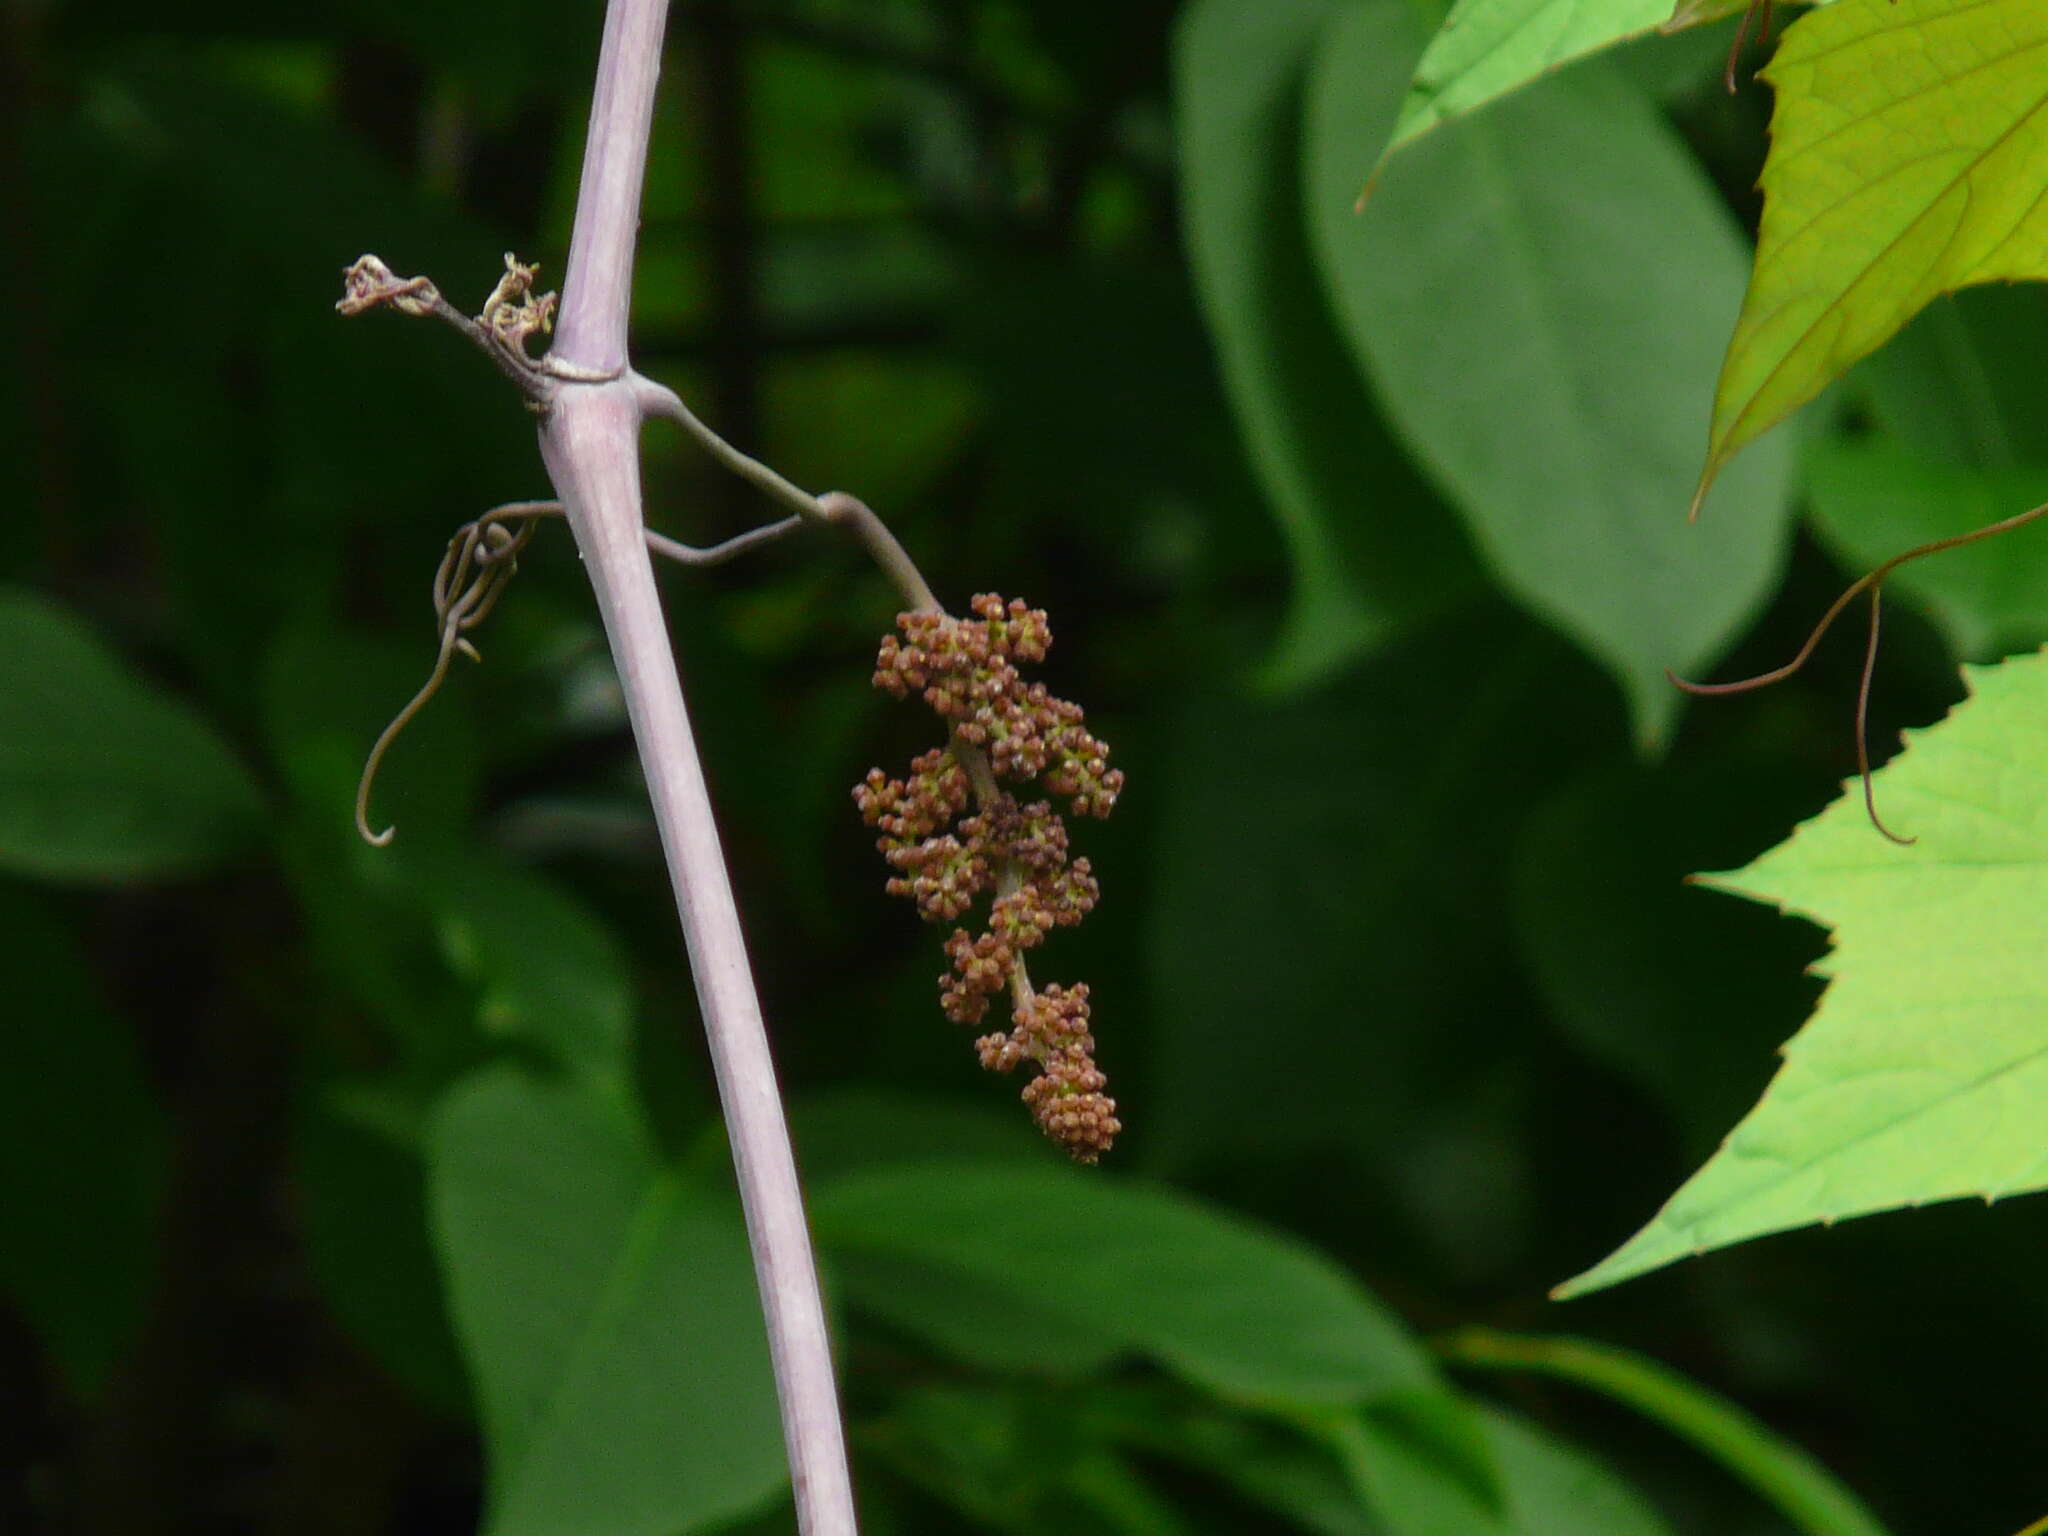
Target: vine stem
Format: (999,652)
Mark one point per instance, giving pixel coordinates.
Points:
(589,440)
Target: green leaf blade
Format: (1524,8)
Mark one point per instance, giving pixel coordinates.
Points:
(1870,500)
(1560,416)
(1905,163)
(1923,1074)
(1487,48)
(1548,1487)
(102,776)
(83,1153)
(1322,457)
(1238,1310)
(606,1307)
(1779,1471)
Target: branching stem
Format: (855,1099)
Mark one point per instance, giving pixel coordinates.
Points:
(833,509)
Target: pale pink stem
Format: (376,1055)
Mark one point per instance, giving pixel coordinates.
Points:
(589,439)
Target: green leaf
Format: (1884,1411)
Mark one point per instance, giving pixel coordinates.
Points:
(550,973)
(1313,434)
(1905,163)
(82,1152)
(1632,962)
(1871,501)
(1795,1484)
(1923,1074)
(1487,48)
(852,1128)
(1019,1457)
(102,775)
(1560,413)
(606,1307)
(1239,1310)
(1382,849)
(361,1205)
(1551,1487)
(1960,385)
(1269,1464)
(1548,1488)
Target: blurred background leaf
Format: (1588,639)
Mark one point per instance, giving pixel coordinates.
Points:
(607,1308)
(1334,478)
(103,777)
(1557,409)
(82,1154)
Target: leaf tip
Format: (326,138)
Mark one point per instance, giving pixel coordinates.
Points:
(1699,495)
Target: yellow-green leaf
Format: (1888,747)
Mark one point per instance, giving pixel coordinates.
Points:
(1923,1074)
(1906,162)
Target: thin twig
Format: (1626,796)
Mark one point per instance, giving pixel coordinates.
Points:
(717,554)
(833,509)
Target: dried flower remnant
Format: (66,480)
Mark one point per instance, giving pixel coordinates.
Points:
(952,834)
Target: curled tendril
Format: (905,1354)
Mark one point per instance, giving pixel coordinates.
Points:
(1873,583)
(479,563)
(472,576)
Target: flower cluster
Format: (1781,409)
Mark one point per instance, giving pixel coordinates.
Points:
(952,834)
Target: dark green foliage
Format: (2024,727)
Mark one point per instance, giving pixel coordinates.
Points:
(354,1192)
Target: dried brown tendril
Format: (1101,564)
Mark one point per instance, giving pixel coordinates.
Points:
(480,560)
(472,576)
(952,835)
(1873,583)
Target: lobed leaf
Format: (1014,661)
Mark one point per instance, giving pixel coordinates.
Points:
(1905,163)
(1923,1074)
